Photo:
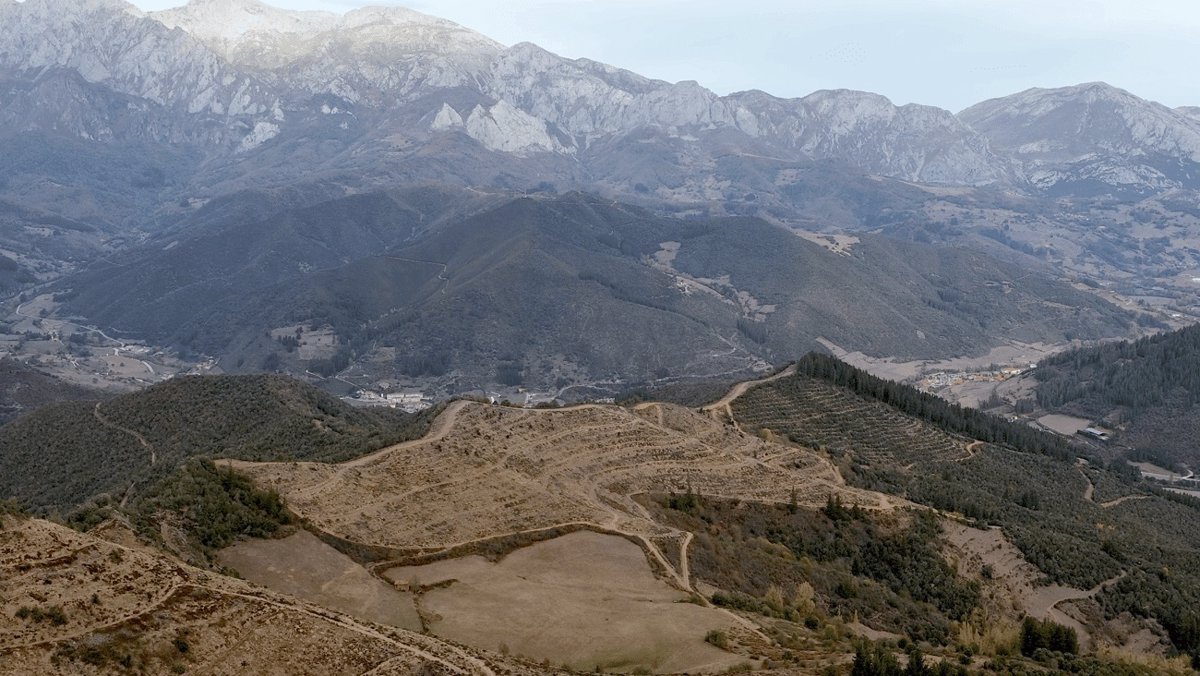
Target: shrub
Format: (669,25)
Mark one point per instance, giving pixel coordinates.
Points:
(717,638)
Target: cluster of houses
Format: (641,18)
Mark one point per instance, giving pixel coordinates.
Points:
(407,401)
(943,379)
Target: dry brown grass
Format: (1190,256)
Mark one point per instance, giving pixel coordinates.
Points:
(303,566)
(584,599)
(500,470)
(120,603)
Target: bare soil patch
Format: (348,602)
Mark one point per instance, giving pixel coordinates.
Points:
(302,566)
(1064,424)
(105,608)
(584,600)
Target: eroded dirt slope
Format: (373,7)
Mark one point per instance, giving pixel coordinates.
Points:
(92,606)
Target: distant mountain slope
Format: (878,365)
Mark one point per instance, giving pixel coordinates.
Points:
(580,287)
(260,94)
(1190,111)
(24,389)
(247,243)
(84,448)
(1150,388)
(240,94)
(1092,138)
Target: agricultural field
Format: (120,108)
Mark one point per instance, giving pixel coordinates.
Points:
(302,566)
(583,600)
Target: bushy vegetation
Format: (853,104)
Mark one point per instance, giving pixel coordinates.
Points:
(78,450)
(11,508)
(213,505)
(791,563)
(50,614)
(257,417)
(60,456)
(875,659)
(1047,635)
(692,395)
(1036,497)
(24,389)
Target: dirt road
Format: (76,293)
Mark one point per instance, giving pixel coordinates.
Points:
(725,402)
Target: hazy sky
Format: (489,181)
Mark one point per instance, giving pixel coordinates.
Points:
(949,53)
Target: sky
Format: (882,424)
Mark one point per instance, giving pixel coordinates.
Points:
(948,53)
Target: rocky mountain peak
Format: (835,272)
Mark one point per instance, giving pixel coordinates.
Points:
(1189,111)
(1092,133)
(229,20)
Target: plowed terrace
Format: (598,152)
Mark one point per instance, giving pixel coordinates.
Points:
(488,471)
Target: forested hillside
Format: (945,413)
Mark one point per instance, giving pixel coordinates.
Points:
(1149,388)
(890,437)
(569,284)
(24,389)
(81,449)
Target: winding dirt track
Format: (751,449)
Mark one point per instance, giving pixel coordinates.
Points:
(1113,503)
(1056,596)
(725,403)
(100,417)
(1089,493)
(972,451)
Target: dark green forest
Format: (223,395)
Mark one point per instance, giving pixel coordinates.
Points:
(79,450)
(1138,375)
(1147,388)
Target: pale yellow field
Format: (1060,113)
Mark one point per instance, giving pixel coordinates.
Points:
(582,600)
(302,566)
(118,603)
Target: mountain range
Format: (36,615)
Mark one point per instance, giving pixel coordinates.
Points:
(249,93)
(207,175)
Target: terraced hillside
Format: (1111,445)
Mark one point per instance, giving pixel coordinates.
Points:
(74,603)
(489,471)
(1081,526)
(823,415)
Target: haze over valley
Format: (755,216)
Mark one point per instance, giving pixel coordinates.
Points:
(363,343)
